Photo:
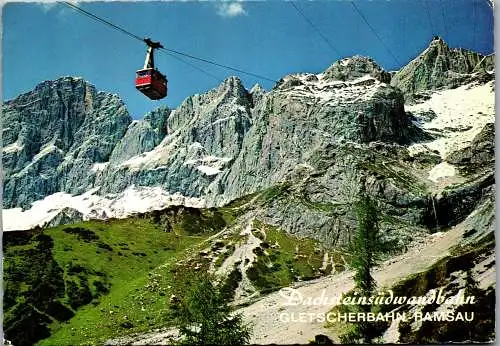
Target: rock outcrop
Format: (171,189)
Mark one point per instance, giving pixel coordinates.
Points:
(141,136)
(349,69)
(66,216)
(480,153)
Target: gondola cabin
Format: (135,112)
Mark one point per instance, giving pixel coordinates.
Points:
(149,80)
(151,83)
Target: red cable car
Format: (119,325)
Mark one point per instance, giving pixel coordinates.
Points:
(149,80)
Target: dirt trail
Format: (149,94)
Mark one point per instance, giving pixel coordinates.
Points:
(265,313)
(243,257)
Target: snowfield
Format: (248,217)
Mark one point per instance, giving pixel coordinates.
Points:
(209,165)
(324,90)
(461,114)
(132,200)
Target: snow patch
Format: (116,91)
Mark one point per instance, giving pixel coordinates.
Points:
(46,150)
(100,166)
(13,147)
(209,165)
(195,145)
(150,159)
(304,166)
(132,200)
(28,104)
(222,120)
(345,62)
(442,170)
(361,79)
(208,170)
(323,90)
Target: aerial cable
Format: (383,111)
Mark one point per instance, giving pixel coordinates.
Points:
(217,64)
(426,4)
(316,29)
(93,16)
(116,27)
(474,25)
(375,32)
(444,17)
(194,66)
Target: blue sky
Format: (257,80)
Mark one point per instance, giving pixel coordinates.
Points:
(269,38)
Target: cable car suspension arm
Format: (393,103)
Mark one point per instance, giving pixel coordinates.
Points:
(150,60)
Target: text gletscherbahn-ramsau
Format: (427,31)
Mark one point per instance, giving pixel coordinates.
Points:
(377,317)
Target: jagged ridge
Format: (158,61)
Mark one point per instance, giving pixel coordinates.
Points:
(209,146)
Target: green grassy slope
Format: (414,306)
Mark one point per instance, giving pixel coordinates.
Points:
(283,259)
(84,283)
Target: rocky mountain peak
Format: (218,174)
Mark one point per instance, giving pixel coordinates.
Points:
(440,66)
(232,87)
(437,41)
(228,97)
(142,135)
(59,129)
(257,88)
(51,90)
(257,93)
(231,82)
(61,82)
(355,67)
(158,115)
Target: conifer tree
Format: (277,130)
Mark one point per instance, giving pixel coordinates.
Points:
(205,318)
(366,244)
(365,247)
